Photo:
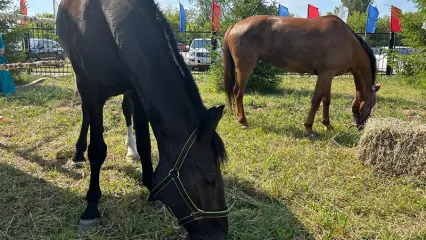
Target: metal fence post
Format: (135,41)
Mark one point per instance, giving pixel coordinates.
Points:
(391,47)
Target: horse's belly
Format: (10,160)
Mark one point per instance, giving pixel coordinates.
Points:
(296,66)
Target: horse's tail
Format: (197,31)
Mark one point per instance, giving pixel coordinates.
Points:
(370,54)
(229,70)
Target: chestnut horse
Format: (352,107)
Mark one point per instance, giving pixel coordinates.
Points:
(324,46)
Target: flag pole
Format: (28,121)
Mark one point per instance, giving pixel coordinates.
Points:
(54,9)
(365,30)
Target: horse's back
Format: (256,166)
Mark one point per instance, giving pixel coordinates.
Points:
(294,44)
(89,44)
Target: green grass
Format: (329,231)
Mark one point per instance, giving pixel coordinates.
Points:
(280,184)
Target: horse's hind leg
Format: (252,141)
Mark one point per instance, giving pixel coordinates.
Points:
(143,141)
(132,153)
(239,90)
(81,145)
(326,110)
(322,88)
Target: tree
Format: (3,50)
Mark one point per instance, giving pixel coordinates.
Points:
(12,33)
(42,30)
(356,5)
(357,21)
(264,76)
(414,36)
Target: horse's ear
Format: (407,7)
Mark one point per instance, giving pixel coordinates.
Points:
(210,122)
(377,87)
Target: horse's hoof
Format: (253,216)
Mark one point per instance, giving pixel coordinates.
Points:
(86,224)
(78,165)
(311,135)
(133,158)
(329,128)
(157,204)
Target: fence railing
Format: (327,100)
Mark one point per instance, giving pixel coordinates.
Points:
(32,45)
(36,41)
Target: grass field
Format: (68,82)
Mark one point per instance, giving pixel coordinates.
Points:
(280,184)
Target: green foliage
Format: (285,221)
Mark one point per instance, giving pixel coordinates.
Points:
(356,5)
(264,76)
(357,21)
(42,30)
(413,65)
(13,35)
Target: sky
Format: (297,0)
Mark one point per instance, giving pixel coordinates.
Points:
(298,7)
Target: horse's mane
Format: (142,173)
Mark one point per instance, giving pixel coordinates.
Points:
(188,80)
(367,49)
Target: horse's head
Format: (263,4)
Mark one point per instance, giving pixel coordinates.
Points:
(192,186)
(362,109)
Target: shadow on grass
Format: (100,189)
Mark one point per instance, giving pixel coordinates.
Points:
(35,208)
(30,154)
(283,92)
(345,138)
(32,207)
(256,215)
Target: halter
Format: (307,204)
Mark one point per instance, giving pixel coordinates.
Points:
(370,106)
(196,213)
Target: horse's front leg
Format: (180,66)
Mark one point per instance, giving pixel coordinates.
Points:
(97,153)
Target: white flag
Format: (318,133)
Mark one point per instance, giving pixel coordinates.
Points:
(424,25)
(343,13)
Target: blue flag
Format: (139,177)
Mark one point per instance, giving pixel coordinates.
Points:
(283,11)
(182,18)
(373,14)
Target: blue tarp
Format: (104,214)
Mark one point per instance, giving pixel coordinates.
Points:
(7,85)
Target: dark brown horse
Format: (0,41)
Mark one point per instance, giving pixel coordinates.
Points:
(127,46)
(324,46)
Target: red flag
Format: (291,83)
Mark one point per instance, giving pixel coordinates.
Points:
(312,11)
(23,5)
(216,17)
(395,25)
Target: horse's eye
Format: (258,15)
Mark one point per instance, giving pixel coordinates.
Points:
(210,180)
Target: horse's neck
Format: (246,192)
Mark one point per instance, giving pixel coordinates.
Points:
(173,110)
(363,85)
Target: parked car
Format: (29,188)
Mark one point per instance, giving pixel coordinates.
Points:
(41,49)
(199,54)
(181,47)
(382,56)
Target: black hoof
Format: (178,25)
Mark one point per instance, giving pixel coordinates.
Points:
(155,203)
(86,224)
(311,135)
(79,158)
(78,164)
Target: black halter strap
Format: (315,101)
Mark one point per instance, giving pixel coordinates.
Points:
(173,176)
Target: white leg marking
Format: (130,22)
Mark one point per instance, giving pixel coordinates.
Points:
(132,153)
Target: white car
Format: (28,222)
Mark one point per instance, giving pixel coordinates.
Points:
(199,54)
(382,58)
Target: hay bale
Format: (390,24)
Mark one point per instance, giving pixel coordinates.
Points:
(394,147)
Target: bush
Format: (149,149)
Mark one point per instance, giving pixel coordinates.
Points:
(413,65)
(265,77)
